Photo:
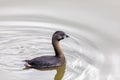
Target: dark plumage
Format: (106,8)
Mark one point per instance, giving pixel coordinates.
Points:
(50,61)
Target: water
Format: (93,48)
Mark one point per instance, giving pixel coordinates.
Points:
(92,51)
(24,38)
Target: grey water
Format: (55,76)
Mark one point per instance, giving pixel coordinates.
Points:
(92,51)
(26,37)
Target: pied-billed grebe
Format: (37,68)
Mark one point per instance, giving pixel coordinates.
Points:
(50,61)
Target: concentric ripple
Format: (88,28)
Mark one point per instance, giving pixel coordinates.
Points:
(20,40)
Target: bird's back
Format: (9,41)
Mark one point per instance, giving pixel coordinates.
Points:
(44,62)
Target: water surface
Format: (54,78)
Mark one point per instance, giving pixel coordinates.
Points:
(29,38)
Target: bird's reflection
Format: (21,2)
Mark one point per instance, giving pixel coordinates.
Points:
(59,71)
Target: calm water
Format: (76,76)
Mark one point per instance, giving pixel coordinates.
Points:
(92,51)
(26,39)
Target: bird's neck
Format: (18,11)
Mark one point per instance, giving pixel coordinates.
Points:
(57,48)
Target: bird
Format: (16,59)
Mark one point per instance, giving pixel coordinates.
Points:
(50,61)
